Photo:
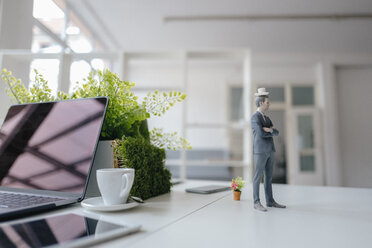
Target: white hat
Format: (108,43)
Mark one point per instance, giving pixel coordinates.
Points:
(261,92)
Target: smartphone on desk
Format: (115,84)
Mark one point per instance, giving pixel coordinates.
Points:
(209,189)
(67,230)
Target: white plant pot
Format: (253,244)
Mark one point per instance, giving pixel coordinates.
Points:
(104,158)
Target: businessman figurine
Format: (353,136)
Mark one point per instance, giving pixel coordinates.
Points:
(263,150)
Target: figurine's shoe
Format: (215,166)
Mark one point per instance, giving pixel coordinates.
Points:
(259,207)
(275,205)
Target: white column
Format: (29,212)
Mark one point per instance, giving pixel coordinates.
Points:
(120,67)
(247,96)
(4,101)
(64,72)
(332,163)
(16,22)
(183,173)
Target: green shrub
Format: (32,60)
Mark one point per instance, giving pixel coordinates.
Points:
(151,176)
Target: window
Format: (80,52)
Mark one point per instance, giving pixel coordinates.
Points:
(58,28)
(276,94)
(302,96)
(79,70)
(307,163)
(305,143)
(236,103)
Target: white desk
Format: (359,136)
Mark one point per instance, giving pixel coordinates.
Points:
(315,217)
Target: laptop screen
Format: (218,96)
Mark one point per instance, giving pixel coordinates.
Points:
(50,146)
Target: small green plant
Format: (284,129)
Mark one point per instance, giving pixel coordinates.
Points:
(151,177)
(237,184)
(171,141)
(158,103)
(39,91)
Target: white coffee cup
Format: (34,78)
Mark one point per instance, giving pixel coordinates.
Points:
(115,184)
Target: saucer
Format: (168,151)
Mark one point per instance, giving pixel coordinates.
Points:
(96,203)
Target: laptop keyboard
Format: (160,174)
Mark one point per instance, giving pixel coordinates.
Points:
(11,200)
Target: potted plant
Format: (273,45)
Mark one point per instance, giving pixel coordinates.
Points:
(125,126)
(237,184)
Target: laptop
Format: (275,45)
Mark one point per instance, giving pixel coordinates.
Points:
(46,154)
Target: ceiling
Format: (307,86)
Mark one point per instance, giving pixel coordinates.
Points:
(175,24)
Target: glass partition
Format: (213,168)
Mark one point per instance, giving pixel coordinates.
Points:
(302,96)
(305,143)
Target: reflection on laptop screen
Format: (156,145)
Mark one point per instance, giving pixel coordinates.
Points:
(50,146)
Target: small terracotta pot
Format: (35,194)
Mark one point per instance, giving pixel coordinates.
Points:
(237,195)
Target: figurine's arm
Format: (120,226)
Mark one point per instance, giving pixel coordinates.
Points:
(273,130)
(260,130)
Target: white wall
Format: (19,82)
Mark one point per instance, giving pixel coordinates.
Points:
(16,24)
(354,87)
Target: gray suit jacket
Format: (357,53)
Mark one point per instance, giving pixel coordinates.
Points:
(263,141)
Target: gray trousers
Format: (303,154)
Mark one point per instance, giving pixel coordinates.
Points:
(263,163)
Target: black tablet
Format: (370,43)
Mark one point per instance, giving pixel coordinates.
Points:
(67,230)
(208,189)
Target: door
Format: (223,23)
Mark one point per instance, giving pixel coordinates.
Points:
(305,166)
